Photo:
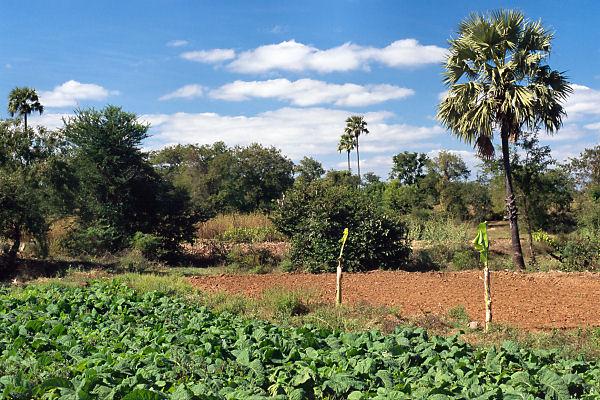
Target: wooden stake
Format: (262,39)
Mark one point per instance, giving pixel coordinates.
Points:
(488,297)
(338,284)
(338,278)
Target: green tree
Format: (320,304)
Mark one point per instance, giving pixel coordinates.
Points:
(30,176)
(347,143)
(313,216)
(119,192)
(451,167)
(23,101)
(498,78)
(356,126)
(224,179)
(409,167)
(309,169)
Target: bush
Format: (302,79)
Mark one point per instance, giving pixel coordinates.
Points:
(150,246)
(580,254)
(252,259)
(133,260)
(314,216)
(465,259)
(91,240)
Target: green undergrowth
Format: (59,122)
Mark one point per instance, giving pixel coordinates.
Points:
(106,340)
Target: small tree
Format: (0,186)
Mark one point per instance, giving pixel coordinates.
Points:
(30,175)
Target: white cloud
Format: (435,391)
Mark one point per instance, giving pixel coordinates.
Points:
(49,120)
(185,92)
(309,92)
(294,56)
(594,127)
(209,56)
(297,131)
(177,43)
(583,101)
(408,53)
(71,92)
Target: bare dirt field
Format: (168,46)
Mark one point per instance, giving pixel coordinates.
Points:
(533,301)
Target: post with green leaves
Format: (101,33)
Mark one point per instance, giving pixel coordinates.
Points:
(338,281)
(482,245)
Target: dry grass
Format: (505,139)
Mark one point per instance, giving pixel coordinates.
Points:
(215,227)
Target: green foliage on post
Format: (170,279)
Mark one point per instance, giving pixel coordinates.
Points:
(482,244)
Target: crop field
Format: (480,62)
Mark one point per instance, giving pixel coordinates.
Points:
(107,341)
(533,301)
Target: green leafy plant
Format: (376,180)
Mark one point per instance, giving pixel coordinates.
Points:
(108,341)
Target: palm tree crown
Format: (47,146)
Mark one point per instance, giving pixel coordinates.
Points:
(347,143)
(23,101)
(356,126)
(498,79)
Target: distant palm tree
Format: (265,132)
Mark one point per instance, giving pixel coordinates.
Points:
(356,126)
(499,81)
(347,144)
(23,101)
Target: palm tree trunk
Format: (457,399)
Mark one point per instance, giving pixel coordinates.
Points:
(511,205)
(357,159)
(529,229)
(349,169)
(25,119)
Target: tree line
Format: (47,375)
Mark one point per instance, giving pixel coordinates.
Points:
(93,172)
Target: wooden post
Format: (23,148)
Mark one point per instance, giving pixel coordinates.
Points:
(338,278)
(338,283)
(488,297)
(482,245)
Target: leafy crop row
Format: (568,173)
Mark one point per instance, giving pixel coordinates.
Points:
(107,341)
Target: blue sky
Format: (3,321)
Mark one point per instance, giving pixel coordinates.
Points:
(280,73)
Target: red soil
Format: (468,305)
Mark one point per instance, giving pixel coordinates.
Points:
(527,300)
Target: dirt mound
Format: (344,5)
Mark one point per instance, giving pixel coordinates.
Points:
(526,300)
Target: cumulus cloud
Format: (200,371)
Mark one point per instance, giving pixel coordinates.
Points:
(297,131)
(177,43)
(49,120)
(185,92)
(583,101)
(294,56)
(309,92)
(72,92)
(209,56)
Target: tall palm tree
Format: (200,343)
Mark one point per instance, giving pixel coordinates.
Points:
(499,82)
(347,144)
(23,101)
(356,126)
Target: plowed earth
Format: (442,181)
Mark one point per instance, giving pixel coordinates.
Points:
(527,300)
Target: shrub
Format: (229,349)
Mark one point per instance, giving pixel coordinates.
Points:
(465,259)
(257,260)
(580,254)
(91,240)
(150,246)
(314,216)
(133,260)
